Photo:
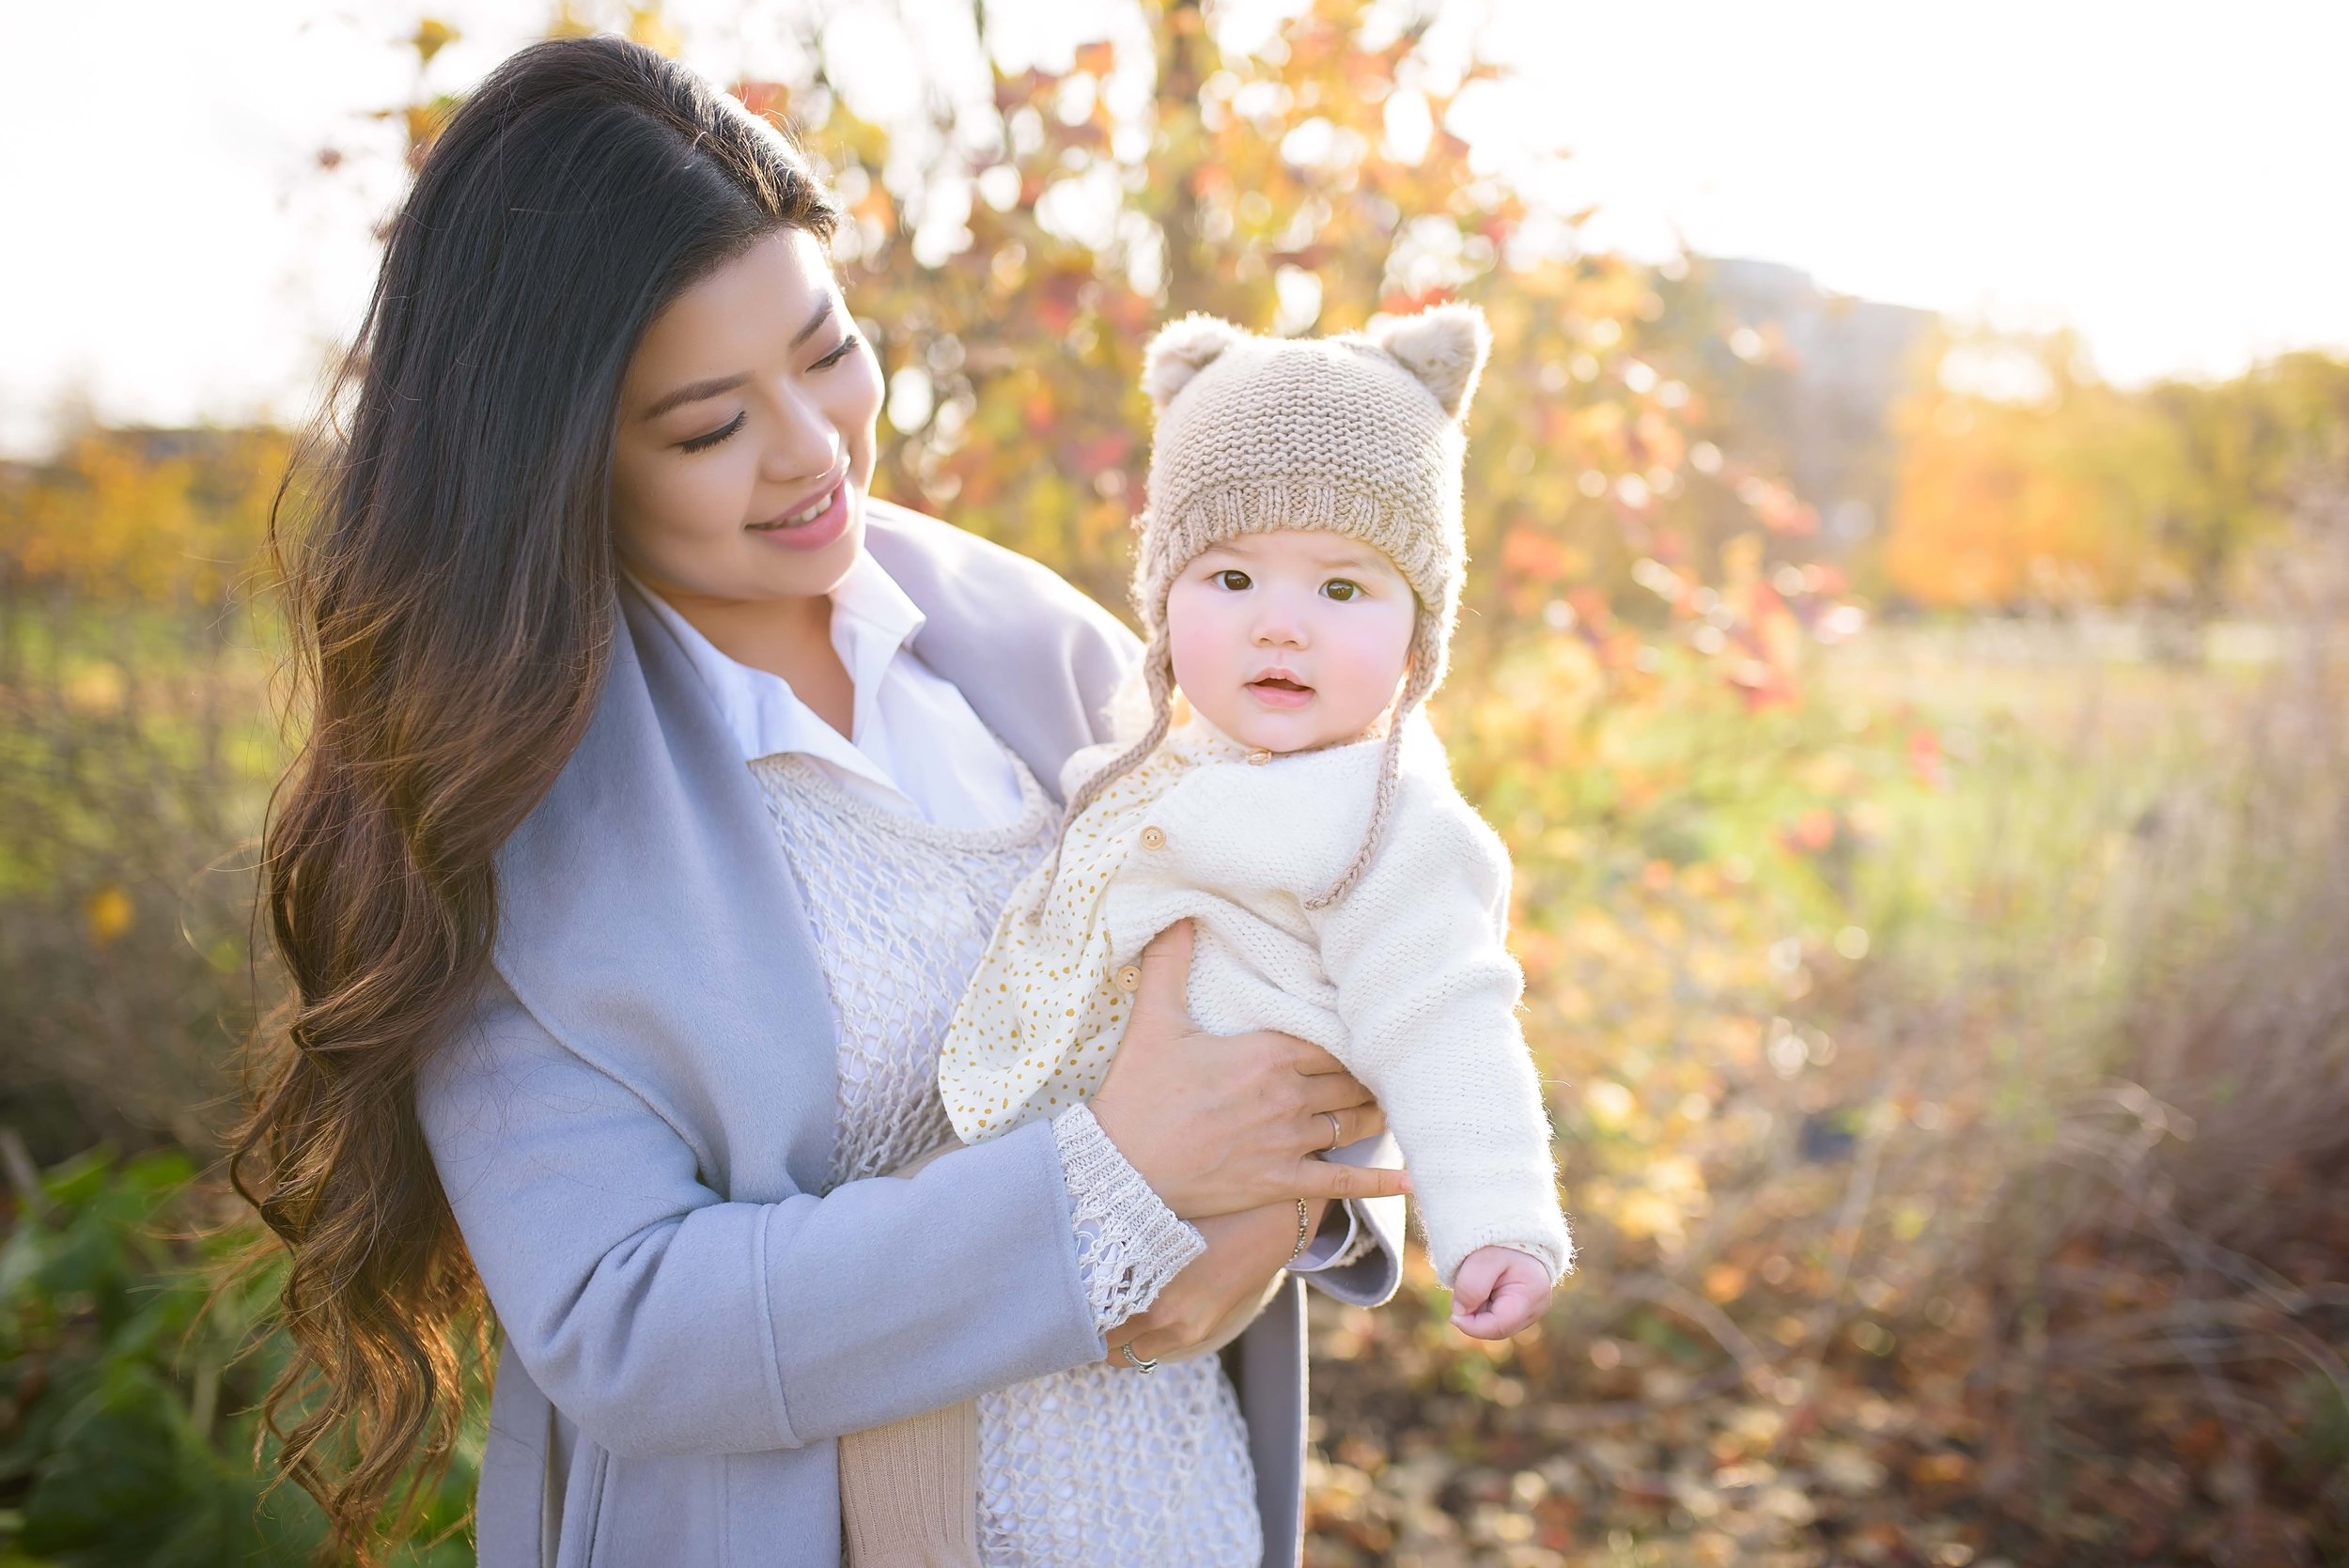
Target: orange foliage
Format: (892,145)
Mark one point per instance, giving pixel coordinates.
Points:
(157,517)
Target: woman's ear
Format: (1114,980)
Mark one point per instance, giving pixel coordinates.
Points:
(1180,352)
(1445,346)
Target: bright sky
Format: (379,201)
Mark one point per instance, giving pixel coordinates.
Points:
(2165,177)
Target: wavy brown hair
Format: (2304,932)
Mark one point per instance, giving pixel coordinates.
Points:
(450,587)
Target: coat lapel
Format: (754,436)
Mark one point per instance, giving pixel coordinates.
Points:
(1035,658)
(649,919)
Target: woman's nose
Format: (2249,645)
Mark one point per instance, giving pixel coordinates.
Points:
(806,443)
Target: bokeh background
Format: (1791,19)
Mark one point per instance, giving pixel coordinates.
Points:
(1915,700)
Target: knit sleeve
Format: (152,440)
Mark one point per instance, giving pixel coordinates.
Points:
(1129,1243)
(1428,994)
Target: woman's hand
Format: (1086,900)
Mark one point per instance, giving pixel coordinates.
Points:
(1221,1123)
(1220,1289)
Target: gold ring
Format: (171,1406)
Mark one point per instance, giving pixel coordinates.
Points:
(1150,1365)
(1336,1132)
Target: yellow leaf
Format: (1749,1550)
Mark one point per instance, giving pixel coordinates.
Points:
(108,913)
(432,36)
(647,27)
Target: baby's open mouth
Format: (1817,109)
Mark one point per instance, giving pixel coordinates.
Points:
(1280,691)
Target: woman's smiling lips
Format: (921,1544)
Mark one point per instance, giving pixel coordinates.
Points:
(1280,690)
(813,524)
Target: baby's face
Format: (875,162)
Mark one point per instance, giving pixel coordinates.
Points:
(1290,640)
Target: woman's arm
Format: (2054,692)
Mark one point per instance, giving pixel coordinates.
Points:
(1290,1087)
(663,1319)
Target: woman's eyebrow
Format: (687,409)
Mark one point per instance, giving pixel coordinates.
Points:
(823,313)
(693,391)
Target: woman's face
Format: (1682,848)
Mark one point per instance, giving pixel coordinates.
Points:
(745,438)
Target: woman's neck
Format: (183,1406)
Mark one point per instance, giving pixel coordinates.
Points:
(789,638)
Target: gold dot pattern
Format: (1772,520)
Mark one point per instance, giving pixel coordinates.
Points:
(1046,1009)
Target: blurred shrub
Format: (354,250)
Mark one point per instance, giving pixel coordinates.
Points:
(124,1436)
(137,748)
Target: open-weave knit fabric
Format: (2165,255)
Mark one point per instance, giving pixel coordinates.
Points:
(1092,1468)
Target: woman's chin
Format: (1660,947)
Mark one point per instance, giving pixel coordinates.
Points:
(771,572)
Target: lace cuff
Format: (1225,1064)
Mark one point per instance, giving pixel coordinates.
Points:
(1129,1244)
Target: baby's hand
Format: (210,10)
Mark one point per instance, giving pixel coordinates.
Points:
(1498,1291)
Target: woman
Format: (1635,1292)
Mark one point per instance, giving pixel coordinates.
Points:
(658,790)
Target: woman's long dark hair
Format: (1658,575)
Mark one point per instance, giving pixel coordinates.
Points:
(451,594)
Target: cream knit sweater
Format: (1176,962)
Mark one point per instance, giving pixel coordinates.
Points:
(1406,979)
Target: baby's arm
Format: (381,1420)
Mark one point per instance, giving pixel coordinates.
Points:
(1428,993)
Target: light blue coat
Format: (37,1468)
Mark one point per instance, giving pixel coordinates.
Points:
(633,1132)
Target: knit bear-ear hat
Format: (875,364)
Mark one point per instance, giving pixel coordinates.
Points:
(1360,434)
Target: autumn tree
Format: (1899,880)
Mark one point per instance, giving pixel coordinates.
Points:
(2022,477)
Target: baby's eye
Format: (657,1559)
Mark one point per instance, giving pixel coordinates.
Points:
(1340,589)
(1229,578)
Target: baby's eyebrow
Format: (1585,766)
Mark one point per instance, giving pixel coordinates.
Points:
(1355,558)
(1339,557)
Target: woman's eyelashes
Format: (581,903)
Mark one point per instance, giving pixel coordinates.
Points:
(704,442)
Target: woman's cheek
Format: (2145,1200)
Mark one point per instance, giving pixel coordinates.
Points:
(858,414)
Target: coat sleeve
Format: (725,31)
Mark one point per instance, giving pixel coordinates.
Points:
(663,1319)
(1428,993)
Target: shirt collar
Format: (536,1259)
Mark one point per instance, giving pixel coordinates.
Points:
(873,620)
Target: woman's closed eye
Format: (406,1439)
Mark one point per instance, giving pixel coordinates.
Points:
(842,350)
(704,442)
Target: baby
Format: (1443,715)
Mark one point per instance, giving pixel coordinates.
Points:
(1276,782)
(1300,559)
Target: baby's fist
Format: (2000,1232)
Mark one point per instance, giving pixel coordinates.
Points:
(1497,1292)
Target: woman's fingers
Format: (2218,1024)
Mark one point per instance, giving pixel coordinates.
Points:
(1338,1091)
(1351,1126)
(1166,976)
(1325,1178)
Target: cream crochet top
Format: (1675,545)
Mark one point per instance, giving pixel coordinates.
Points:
(1406,979)
(1087,1469)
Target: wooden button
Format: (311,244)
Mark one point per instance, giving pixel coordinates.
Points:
(1129,978)
(1258,757)
(1153,839)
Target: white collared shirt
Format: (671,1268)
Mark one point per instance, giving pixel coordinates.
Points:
(914,744)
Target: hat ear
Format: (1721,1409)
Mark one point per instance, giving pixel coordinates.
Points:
(1180,352)
(1444,346)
